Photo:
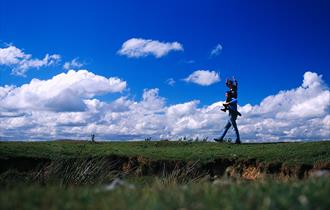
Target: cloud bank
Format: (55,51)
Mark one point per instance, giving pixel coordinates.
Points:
(21,62)
(137,47)
(203,77)
(62,93)
(65,107)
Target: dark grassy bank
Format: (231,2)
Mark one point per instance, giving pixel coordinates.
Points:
(291,153)
(76,162)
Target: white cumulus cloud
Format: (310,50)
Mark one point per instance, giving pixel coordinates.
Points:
(63,92)
(203,77)
(137,47)
(297,113)
(21,62)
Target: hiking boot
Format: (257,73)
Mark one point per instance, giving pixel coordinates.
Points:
(218,140)
(238,141)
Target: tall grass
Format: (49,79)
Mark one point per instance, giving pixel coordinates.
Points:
(85,171)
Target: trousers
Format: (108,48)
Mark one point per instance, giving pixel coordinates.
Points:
(231,122)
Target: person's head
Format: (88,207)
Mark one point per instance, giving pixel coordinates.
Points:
(229,83)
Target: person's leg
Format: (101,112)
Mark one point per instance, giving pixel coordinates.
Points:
(233,122)
(225,131)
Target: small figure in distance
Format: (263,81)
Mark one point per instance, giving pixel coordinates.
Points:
(231,106)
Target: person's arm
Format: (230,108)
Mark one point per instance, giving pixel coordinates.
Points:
(235,82)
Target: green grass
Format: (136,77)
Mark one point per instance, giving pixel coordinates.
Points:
(77,181)
(227,195)
(291,153)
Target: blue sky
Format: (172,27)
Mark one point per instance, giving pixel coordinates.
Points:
(267,45)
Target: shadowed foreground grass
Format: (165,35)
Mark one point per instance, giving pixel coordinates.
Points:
(222,194)
(291,153)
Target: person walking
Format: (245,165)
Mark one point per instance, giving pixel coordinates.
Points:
(231,106)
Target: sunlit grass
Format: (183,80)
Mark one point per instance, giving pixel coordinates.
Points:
(291,153)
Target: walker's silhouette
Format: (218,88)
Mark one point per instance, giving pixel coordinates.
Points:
(231,106)
(93,137)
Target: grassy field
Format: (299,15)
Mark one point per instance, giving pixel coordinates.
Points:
(79,177)
(291,153)
(312,194)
